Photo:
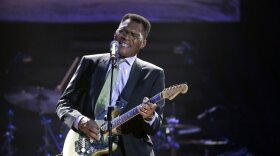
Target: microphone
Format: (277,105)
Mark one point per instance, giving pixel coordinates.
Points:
(114,48)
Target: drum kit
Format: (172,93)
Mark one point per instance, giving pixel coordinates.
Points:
(36,99)
(170,133)
(41,101)
(166,137)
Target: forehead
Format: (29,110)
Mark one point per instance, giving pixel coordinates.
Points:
(132,25)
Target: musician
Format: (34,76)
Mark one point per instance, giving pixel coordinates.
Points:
(136,81)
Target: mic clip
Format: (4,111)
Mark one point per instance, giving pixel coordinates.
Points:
(114,49)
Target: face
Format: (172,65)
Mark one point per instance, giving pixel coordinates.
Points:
(130,35)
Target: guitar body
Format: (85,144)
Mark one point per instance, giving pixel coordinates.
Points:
(69,147)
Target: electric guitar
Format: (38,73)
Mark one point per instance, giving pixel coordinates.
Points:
(79,145)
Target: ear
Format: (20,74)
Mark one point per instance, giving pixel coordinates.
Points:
(143,44)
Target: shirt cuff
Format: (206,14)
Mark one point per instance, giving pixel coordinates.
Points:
(76,122)
(150,122)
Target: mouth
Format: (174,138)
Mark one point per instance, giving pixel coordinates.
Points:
(124,45)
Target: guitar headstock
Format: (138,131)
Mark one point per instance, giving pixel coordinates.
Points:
(171,92)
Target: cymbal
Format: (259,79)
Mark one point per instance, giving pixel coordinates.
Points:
(208,142)
(174,125)
(183,129)
(35,99)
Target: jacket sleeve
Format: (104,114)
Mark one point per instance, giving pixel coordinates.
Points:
(67,107)
(158,86)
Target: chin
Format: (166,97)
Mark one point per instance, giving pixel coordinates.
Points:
(123,53)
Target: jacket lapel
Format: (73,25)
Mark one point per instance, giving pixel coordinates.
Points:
(132,81)
(102,71)
(99,77)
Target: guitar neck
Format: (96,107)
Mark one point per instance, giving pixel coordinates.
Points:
(116,122)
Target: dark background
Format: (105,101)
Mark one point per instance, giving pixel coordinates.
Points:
(233,66)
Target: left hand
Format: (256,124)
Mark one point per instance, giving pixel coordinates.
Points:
(147,109)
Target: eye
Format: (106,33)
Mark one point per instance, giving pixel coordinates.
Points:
(123,31)
(136,36)
(131,34)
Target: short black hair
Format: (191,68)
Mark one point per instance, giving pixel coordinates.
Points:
(139,19)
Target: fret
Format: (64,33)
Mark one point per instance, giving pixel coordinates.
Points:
(116,122)
(155,98)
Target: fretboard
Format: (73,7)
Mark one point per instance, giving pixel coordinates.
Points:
(116,122)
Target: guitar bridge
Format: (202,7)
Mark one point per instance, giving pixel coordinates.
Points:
(86,147)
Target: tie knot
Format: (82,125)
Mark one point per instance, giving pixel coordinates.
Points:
(119,61)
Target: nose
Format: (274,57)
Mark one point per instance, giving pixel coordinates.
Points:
(127,36)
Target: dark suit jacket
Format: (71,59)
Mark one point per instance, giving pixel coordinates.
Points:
(79,98)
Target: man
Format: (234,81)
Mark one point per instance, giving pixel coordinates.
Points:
(136,80)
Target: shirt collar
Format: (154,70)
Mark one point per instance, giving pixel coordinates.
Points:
(129,60)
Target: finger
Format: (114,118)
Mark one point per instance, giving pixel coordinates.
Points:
(151,105)
(150,110)
(141,111)
(142,108)
(145,111)
(145,99)
(144,115)
(94,127)
(90,129)
(147,108)
(93,130)
(94,136)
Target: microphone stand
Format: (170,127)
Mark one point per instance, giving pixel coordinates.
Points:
(108,117)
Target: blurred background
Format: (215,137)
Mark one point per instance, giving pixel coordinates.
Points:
(226,50)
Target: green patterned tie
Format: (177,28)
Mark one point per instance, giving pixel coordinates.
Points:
(104,96)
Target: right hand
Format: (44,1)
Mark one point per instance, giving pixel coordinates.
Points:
(89,128)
